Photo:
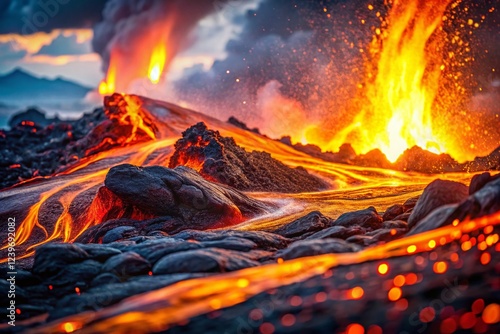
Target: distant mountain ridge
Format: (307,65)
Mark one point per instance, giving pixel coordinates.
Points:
(20,85)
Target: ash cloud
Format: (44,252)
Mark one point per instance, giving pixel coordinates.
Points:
(291,55)
(129,28)
(307,53)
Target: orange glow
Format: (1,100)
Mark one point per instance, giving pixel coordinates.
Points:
(383,268)
(355,329)
(157,63)
(440,267)
(491,314)
(394,294)
(356,293)
(399,280)
(485,258)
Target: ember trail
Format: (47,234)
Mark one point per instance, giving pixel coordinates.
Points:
(322,187)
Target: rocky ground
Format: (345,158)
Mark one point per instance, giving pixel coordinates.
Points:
(157,226)
(119,259)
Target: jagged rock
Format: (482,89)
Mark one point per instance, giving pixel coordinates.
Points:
(436,194)
(374,158)
(32,115)
(337,232)
(419,160)
(312,222)
(54,257)
(182,193)
(392,212)
(202,261)
(436,219)
(480,180)
(367,218)
(126,264)
(236,122)
(316,247)
(410,203)
(219,159)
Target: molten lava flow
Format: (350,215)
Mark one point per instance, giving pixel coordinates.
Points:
(157,63)
(397,113)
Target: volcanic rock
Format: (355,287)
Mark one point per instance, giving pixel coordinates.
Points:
(436,194)
(374,158)
(32,115)
(419,160)
(219,159)
(126,264)
(203,261)
(99,252)
(181,193)
(156,249)
(367,218)
(436,219)
(480,180)
(236,122)
(312,247)
(54,257)
(119,233)
(337,232)
(392,212)
(312,222)
(263,240)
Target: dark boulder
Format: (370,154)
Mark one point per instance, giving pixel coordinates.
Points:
(436,194)
(367,218)
(312,222)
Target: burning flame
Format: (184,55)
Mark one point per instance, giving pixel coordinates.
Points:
(157,63)
(107,86)
(401,96)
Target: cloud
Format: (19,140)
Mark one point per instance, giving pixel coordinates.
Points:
(9,53)
(31,16)
(65,45)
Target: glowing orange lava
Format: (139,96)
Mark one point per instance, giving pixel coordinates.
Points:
(108,86)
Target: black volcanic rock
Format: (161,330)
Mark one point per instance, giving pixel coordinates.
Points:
(219,159)
(312,222)
(417,159)
(436,194)
(367,218)
(316,247)
(374,158)
(203,261)
(181,192)
(236,122)
(32,115)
